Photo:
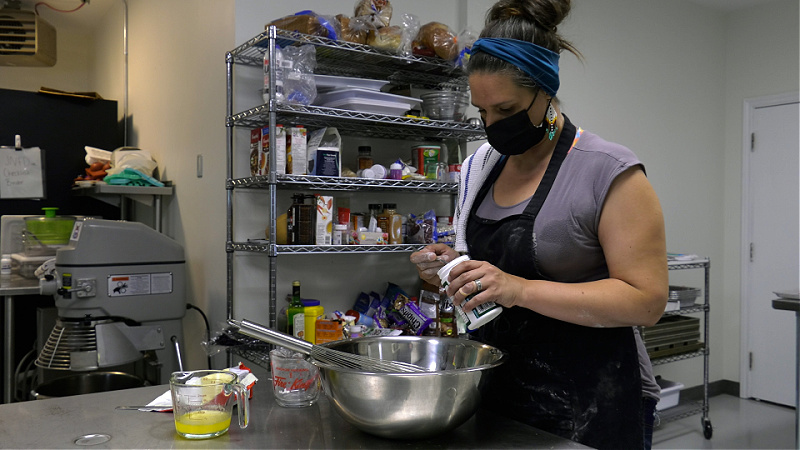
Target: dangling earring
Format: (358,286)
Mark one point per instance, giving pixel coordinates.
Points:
(551,120)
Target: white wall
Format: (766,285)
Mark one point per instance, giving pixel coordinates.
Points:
(761,58)
(666,79)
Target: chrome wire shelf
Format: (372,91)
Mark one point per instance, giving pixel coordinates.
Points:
(694,264)
(265,247)
(357,123)
(345,184)
(679,357)
(680,411)
(351,59)
(688,310)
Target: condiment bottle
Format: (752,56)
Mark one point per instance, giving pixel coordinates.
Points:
(391,223)
(311,312)
(364,157)
(481,314)
(295,315)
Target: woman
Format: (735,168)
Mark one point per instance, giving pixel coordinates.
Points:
(564,231)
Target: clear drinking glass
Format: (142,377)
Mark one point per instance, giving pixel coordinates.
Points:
(202,401)
(295,381)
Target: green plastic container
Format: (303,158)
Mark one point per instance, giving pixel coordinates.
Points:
(50,229)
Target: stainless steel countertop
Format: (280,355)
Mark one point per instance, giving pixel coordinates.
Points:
(58,422)
(17,285)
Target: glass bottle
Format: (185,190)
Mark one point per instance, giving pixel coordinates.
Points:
(295,315)
(364,157)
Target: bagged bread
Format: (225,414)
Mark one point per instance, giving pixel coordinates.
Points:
(308,22)
(440,38)
(352,29)
(377,13)
(386,38)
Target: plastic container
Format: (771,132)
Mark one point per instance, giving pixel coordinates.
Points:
(366,100)
(5,266)
(311,312)
(480,315)
(445,105)
(670,394)
(50,229)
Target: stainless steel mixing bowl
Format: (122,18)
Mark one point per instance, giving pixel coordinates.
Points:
(410,405)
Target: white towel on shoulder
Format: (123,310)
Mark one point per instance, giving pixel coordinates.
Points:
(474,171)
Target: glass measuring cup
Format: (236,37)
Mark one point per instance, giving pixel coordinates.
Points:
(202,402)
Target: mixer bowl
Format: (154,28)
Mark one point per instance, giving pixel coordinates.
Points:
(410,405)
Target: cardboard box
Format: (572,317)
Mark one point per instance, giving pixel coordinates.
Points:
(325,162)
(425,157)
(323,152)
(296,151)
(324,222)
(328,330)
(259,140)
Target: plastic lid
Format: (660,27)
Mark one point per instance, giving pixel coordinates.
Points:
(444,272)
(50,211)
(380,171)
(364,149)
(310,302)
(390,206)
(395,166)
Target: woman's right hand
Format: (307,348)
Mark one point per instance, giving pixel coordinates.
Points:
(432,258)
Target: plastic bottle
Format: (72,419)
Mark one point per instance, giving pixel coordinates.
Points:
(391,223)
(374,211)
(311,312)
(295,315)
(5,266)
(480,315)
(396,171)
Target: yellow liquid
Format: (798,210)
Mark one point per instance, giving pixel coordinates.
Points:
(199,423)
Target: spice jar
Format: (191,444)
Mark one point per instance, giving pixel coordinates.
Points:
(364,157)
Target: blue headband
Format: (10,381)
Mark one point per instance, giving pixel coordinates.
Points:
(538,62)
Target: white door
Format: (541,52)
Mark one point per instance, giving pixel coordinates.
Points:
(770,248)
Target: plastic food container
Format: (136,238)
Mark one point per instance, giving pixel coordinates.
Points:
(445,105)
(670,394)
(365,100)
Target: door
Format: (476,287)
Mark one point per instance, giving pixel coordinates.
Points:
(770,247)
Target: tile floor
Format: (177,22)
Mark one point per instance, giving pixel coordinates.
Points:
(737,423)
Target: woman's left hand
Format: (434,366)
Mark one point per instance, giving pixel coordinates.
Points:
(491,284)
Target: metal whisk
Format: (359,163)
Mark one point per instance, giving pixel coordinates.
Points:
(323,354)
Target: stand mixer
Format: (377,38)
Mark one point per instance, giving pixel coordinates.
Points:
(119,289)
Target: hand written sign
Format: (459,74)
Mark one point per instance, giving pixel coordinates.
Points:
(21,173)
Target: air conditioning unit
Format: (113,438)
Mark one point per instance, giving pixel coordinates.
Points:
(26,39)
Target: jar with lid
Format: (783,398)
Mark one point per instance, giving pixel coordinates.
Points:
(481,314)
(364,157)
(5,266)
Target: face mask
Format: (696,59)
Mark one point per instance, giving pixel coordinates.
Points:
(515,134)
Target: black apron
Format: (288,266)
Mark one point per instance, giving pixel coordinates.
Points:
(578,382)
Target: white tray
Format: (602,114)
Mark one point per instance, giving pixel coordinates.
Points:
(363,100)
(329,82)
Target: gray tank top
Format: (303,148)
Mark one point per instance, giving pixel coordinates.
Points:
(567,224)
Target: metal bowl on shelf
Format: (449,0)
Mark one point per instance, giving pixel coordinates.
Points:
(410,405)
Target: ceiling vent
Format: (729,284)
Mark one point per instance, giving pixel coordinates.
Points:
(26,39)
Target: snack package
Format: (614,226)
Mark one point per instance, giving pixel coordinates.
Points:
(440,38)
(308,22)
(377,13)
(422,230)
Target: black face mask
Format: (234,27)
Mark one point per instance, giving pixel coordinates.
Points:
(515,134)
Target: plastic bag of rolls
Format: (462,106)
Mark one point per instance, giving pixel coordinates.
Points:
(436,38)
(309,22)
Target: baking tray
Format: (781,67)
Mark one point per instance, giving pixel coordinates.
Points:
(327,83)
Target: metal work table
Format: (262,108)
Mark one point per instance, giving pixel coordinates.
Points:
(59,422)
(787,304)
(9,288)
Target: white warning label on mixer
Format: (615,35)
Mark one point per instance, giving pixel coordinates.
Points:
(139,284)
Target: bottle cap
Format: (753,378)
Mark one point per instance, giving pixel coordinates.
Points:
(310,302)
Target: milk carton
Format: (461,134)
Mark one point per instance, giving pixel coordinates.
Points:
(324,222)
